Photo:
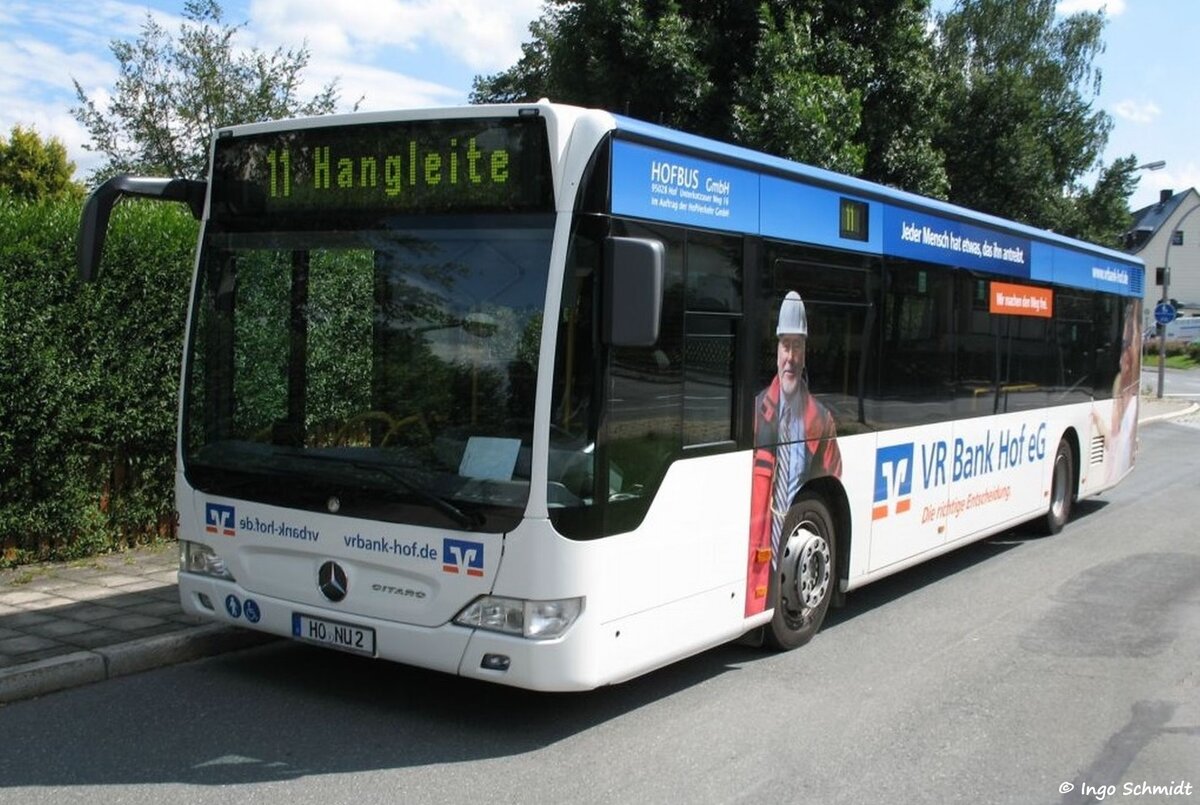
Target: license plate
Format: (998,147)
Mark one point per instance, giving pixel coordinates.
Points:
(344,636)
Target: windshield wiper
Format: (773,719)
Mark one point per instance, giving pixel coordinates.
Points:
(465,520)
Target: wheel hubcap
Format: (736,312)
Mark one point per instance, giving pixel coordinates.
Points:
(810,565)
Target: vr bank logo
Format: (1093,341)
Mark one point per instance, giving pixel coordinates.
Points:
(460,554)
(893,480)
(219,519)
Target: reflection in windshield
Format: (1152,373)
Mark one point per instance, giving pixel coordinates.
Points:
(403,361)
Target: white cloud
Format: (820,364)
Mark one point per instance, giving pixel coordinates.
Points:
(1110,7)
(86,24)
(396,53)
(1136,111)
(36,91)
(379,89)
(485,35)
(44,47)
(31,65)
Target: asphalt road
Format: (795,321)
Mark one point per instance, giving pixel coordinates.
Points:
(1018,670)
(1176,382)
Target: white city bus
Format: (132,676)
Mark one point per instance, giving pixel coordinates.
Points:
(550,397)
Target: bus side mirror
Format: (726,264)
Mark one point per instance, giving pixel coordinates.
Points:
(93,223)
(634,269)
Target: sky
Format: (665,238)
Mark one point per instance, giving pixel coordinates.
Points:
(406,53)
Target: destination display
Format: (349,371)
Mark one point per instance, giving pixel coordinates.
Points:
(470,165)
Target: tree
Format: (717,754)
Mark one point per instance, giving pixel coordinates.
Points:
(174,93)
(991,107)
(1018,128)
(709,67)
(636,57)
(788,107)
(826,83)
(1101,214)
(884,51)
(829,84)
(32,168)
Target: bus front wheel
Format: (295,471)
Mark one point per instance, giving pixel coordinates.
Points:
(1062,481)
(804,578)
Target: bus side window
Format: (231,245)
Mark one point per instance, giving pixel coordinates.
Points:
(1073,340)
(916,366)
(714,307)
(642,421)
(837,290)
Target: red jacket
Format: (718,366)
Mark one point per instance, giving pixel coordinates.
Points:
(824,458)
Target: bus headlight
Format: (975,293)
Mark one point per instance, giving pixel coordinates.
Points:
(202,560)
(536,620)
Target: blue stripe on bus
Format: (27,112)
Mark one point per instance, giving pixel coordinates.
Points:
(795,211)
(680,188)
(1081,270)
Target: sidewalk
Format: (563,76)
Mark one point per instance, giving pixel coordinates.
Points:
(1156,410)
(73,623)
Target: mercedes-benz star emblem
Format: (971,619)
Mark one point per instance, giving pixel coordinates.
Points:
(331,581)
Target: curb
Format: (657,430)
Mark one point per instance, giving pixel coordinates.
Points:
(1191,409)
(85,667)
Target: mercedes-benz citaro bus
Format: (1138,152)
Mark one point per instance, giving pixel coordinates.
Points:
(551,397)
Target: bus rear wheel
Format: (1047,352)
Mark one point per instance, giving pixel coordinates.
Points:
(1062,492)
(805,575)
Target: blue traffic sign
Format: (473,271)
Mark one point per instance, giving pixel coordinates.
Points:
(1164,313)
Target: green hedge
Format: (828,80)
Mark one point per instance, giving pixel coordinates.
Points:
(88,379)
(1191,349)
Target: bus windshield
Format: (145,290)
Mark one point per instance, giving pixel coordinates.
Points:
(385,373)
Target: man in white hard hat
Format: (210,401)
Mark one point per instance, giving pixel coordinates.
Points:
(794,439)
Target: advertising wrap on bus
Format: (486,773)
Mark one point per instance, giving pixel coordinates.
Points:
(650,183)
(420,576)
(549,397)
(938,240)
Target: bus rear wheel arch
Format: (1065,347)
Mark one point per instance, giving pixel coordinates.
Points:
(805,577)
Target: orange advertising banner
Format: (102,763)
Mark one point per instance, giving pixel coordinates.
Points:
(1021,300)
